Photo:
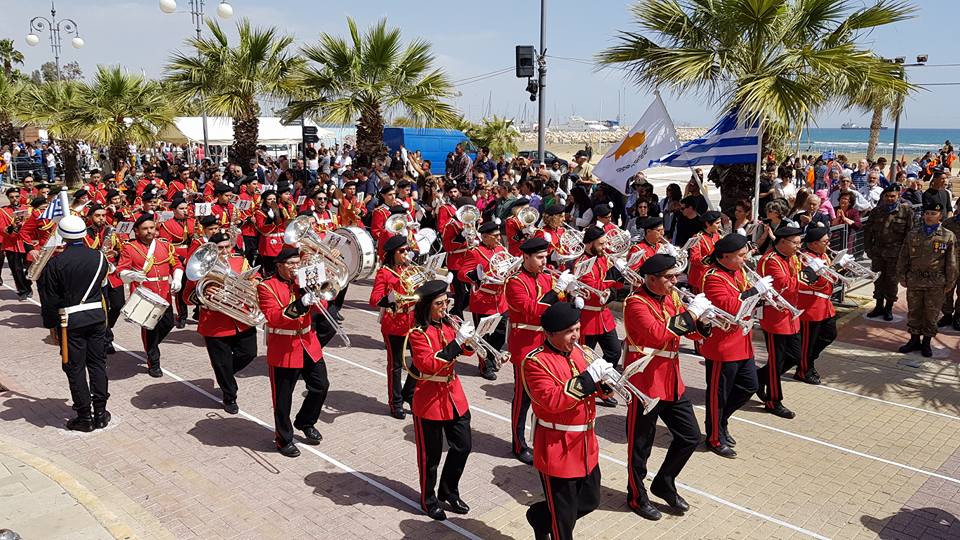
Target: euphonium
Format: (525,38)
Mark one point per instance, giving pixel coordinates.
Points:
(411,278)
(323,289)
(220,289)
(528,216)
(301,232)
(469,215)
(397,224)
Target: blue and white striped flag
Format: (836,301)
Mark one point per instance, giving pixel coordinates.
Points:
(730,142)
(55,208)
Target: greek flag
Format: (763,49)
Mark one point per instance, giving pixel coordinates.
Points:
(730,142)
(55,209)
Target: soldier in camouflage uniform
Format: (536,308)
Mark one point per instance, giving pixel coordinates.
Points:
(951,310)
(886,227)
(927,268)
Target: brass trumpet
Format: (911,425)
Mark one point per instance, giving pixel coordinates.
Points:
(621,384)
(480,345)
(772,297)
(828,272)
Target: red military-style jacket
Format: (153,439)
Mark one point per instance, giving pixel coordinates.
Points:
(527,296)
(378,223)
(27,195)
(698,251)
(176,186)
(143,184)
(485,298)
(159,267)
(271,234)
(553,236)
(289,334)
(596,318)
(179,234)
(12,240)
(438,393)
(213,323)
(223,213)
(646,250)
(120,214)
(514,234)
(350,212)
(326,221)
(98,193)
(726,289)
(397,319)
(455,245)
(445,213)
(656,323)
(36,230)
(814,294)
(609,226)
(561,398)
(94,237)
(247,225)
(786,279)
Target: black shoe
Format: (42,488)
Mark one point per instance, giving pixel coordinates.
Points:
(537,533)
(21,297)
(607,402)
(155,372)
(182,322)
(781,411)
(725,435)
(647,511)
(797,376)
(290,450)
(813,377)
(673,499)
(435,512)
(888,313)
(912,345)
(457,506)
(762,393)
(311,434)
(489,375)
(338,316)
(525,456)
(399,414)
(722,450)
(877,310)
(925,348)
(946,320)
(101,419)
(231,407)
(110,349)
(82,423)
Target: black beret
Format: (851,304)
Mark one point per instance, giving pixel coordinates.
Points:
(282,188)
(207,221)
(522,201)
(601,210)
(220,189)
(555,209)
(465,201)
(397,209)
(111,193)
(287,253)
(219,237)
(534,245)
(450,185)
(393,243)
(144,217)
(80,193)
(710,216)
(90,209)
(559,316)
(656,264)
(267,193)
(787,231)
(815,233)
(730,243)
(489,226)
(177,201)
(933,206)
(431,289)
(650,222)
(591,234)
(148,196)
(892,188)
(387,189)
(247,179)
(350,184)
(37,201)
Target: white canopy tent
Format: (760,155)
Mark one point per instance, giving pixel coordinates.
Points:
(189,129)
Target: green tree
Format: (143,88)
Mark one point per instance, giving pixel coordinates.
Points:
(779,61)
(497,134)
(52,105)
(118,108)
(229,79)
(369,76)
(877,101)
(10,92)
(9,56)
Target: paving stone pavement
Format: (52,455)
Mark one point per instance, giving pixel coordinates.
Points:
(872,453)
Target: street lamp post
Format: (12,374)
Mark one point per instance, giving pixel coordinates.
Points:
(224,11)
(542,83)
(54,27)
(894,164)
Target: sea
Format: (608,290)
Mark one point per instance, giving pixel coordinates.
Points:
(912,142)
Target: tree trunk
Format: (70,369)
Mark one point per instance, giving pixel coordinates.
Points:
(71,164)
(875,123)
(246,131)
(119,152)
(736,183)
(370,136)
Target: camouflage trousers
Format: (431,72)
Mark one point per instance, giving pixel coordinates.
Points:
(949,306)
(886,286)
(923,310)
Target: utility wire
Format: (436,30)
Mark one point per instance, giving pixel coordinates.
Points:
(483,75)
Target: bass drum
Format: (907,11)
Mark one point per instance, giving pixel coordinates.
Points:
(358,250)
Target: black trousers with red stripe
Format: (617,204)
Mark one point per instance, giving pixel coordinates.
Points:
(519,408)
(610,345)
(496,339)
(815,336)
(429,436)
(397,394)
(568,499)
(228,356)
(461,296)
(783,353)
(282,383)
(642,430)
(729,386)
(152,338)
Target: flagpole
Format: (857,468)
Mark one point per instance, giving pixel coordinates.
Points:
(64,202)
(756,180)
(693,171)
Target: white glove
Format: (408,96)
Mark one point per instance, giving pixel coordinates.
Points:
(270,213)
(598,369)
(480,275)
(529,230)
(176,280)
(465,333)
(699,305)
(564,281)
(392,297)
(764,285)
(817,265)
(578,302)
(129,276)
(621,264)
(335,203)
(671,249)
(308,299)
(845,260)
(449,278)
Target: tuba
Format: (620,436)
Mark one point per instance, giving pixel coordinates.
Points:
(220,289)
(528,216)
(397,224)
(469,215)
(301,232)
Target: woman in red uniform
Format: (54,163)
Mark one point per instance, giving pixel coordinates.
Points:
(440,407)
(818,322)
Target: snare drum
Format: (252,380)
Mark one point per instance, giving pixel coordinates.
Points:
(144,308)
(425,239)
(358,250)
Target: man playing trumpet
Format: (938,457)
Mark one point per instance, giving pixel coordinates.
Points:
(818,322)
(487,296)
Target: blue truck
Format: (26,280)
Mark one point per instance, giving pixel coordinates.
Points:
(433,143)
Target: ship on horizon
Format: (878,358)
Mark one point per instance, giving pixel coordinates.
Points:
(851,125)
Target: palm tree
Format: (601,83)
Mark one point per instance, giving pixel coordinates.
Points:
(119,108)
(366,77)
(497,134)
(10,92)
(51,105)
(229,79)
(9,56)
(877,101)
(778,61)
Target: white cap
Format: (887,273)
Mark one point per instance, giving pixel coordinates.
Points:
(71,228)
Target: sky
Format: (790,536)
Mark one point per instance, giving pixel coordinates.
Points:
(475,39)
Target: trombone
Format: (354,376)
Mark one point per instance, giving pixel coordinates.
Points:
(582,289)
(772,297)
(481,345)
(620,383)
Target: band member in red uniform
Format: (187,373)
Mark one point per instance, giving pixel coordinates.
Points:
(12,218)
(148,205)
(649,245)
(515,230)
(231,345)
(731,371)
(116,211)
(702,248)
(818,322)
(151,262)
(563,388)
(396,210)
(378,221)
(270,224)
(551,231)
(599,326)
(486,296)
(150,181)
(781,329)
(36,229)
(396,319)
(28,191)
(456,245)
(222,208)
(448,210)
(326,218)
(655,320)
(440,408)
(97,218)
(249,191)
(602,213)
(179,231)
(181,185)
(293,352)
(529,293)
(96,187)
(351,210)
